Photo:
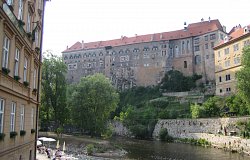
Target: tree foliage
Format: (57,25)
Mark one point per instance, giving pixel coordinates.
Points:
(243,77)
(175,81)
(92,101)
(53,96)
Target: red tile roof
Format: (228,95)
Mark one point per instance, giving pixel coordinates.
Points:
(235,33)
(194,29)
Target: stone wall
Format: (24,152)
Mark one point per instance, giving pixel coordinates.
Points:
(178,127)
(120,129)
(207,129)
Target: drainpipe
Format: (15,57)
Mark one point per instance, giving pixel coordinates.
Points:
(39,79)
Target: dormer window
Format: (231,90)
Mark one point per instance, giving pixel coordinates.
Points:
(9,2)
(246,30)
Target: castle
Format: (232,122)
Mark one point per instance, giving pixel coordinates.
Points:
(143,60)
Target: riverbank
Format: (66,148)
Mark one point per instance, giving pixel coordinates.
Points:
(77,146)
(214,130)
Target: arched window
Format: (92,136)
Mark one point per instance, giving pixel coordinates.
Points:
(176,50)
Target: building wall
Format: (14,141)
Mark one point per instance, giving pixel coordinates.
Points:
(21,91)
(225,86)
(145,63)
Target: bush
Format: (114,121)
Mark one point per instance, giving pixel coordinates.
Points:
(108,132)
(163,133)
(2,135)
(13,134)
(22,132)
(90,149)
(32,131)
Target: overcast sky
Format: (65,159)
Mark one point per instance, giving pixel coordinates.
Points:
(69,21)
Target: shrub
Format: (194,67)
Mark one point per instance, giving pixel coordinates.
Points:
(2,135)
(5,70)
(13,134)
(17,78)
(108,132)
(26,84)
(22,132)
(32,131)
(90,149)
(164,135)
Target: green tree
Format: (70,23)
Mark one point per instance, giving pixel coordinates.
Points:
(92,102)
(236,104)
(197,111)
(175,81)
(212,107)
(243,77)
(53,97)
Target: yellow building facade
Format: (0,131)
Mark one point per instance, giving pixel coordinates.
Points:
(228,59)
(21,23)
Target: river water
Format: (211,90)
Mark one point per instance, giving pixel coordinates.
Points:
(156,150)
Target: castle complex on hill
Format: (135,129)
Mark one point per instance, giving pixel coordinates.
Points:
(143,60)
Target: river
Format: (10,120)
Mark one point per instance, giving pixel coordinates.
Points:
(156,150)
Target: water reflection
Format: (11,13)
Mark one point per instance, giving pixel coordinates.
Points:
(155,150)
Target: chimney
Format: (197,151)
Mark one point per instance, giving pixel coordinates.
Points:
(224,29)
(82,44)
(185,26)
(202,19)
(152,37)
(67,47)
(161,36)
(209,19)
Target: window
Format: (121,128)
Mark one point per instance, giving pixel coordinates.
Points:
(12,117)
(206,46)
(228,89)
(236,47)
(220,90)
(196,48)
(25,66)
(212,36)
(197,59)
(206,38)
(28,26)
(246,43)
(34,78)
(9,2)
(220,79)
(187,45)
(185,64)
(207,56)
(237,60)
(20,10)
(221,36)
(16,65)
(37,38)
(176,50)
(145,55)
(226,51)
(32,118)
(22,117)
(227,63)
(196,40)
(6,47)
(228,77)
(212,44)
(146,65)
(218,53)
(1,114)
